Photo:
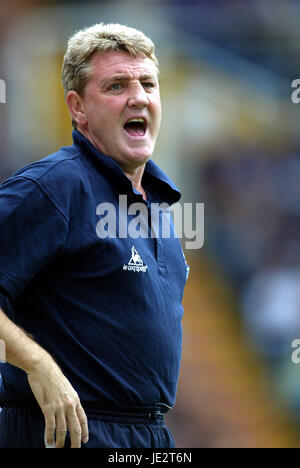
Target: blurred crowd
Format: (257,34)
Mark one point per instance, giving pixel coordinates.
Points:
(253,219)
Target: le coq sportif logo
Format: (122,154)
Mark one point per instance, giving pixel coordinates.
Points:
(135,263)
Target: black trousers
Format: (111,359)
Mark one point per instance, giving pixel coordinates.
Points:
(24,428)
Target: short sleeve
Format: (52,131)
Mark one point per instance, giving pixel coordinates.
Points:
(32,231)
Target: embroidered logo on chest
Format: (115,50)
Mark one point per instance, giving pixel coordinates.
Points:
(135,263)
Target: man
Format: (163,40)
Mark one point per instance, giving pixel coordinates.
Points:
(93,336)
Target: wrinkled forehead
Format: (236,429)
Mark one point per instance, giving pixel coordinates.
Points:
(114,63)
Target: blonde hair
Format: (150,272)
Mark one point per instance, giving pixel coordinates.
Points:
(100,38)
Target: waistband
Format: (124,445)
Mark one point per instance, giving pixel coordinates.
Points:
(154,414)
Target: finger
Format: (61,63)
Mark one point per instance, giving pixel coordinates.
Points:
(61,430)
(49,435)
(74,429)
(46,444)
(83,423)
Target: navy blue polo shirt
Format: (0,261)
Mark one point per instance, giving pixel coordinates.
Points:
(107,309)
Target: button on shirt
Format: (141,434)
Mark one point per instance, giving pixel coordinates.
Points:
(108,309)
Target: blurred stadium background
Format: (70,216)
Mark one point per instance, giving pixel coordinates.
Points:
(229,139)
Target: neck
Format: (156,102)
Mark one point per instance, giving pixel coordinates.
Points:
(135,176)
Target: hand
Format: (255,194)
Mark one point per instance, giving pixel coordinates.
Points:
(59,403)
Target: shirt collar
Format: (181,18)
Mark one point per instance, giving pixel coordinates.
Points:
(158,185)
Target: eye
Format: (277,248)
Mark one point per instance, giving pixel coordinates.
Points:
(148,85)
(115,87)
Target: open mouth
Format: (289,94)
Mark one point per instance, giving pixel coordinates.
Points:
(136,127)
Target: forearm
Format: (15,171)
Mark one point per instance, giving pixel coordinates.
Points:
(55,395)
(20,350)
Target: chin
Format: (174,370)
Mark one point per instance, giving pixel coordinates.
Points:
(139,156)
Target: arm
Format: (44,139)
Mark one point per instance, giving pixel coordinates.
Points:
(56,397)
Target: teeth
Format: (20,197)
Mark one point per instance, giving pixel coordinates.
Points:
(136,120)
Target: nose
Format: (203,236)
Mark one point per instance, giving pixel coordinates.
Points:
(137,96)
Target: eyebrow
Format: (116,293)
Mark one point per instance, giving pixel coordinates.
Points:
(125,77)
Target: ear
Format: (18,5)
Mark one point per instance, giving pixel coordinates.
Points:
(76,108)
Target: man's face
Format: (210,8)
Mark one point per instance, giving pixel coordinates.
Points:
(122,107)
